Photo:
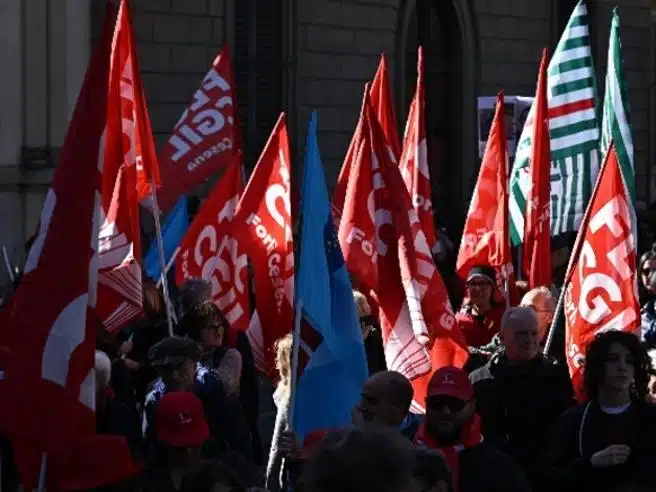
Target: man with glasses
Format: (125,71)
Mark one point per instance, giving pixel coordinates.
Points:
(452,426)
(520,394)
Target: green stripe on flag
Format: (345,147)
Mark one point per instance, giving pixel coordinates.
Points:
(615,123)
(575,161)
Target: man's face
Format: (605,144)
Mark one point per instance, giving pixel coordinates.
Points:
(378,406)
(186,375)
(445,415)
(619,370)
(543,310)
(521,341)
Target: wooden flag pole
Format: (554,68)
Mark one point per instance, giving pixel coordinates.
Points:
(162,260)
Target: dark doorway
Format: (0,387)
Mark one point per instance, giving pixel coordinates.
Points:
(450,102)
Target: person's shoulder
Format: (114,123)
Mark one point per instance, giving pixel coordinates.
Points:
(483,373)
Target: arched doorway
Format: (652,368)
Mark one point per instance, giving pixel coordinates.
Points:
(446,31)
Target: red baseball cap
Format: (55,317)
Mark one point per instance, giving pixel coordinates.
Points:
(180,420)
(450,381)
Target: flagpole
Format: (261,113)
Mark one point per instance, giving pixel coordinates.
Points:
(295,348)
(162,260)
(10,270)
(555,320)
(42,473)
(168,266)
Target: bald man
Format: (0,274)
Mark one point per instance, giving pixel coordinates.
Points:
(543,303)
(385,400)
(520,394)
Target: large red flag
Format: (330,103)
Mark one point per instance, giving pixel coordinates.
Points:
(382,104)
(206,138)
(130,165)
(485,239)
(385,249)
(414,158)
(211,251)
(48,390)
(264,227)
(600,287)
(536,251)
(380,94)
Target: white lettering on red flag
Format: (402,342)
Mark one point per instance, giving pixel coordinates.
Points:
(601,292)
(206,137)
(264,227)
(211,251)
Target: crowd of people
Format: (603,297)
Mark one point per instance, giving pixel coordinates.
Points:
(508,421)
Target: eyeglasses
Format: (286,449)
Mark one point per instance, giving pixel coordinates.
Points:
(647,271)
(478,285)
(454,405)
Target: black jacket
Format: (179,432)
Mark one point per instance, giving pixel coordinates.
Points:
(519,407)
(483,468)
(580,434)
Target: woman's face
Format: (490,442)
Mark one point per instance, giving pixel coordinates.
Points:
(479,291)
(646,271)
(619,369)
(212,337)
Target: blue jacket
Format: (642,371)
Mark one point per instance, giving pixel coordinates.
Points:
(223,412)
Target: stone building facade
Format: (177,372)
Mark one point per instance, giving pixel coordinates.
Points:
(296,56)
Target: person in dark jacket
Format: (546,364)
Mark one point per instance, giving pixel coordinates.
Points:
(520,395)
(607,443)
(452,426)
(195,292)
(176,360)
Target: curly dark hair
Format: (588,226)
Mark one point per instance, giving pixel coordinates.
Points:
(205,316)
(595,360)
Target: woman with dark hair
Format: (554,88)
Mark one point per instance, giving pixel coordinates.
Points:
(480,315)
(608,442)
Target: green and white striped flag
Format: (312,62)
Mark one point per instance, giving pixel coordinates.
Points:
(615,122)
(573,131)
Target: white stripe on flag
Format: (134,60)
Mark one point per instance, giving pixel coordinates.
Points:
(571,97)
(569,55)
(571,118)
(574,75)
(575,32)
(575,139)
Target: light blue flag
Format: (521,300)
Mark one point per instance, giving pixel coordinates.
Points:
(173,230)
(332,366)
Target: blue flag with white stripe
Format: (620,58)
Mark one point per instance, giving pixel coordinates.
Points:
(173,230)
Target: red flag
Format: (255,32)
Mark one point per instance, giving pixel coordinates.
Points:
(414,158)
(486,240)
(536,251)
(211,251)
(382,104)
(48,390)
(206,138)
(601,282)
(130,161)
(264,227)
(381,100)
(385,249)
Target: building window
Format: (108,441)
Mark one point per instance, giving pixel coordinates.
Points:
(260,70)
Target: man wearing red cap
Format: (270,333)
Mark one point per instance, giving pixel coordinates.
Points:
(453,427)
(181,432)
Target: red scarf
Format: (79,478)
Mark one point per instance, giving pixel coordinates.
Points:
(470,436)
